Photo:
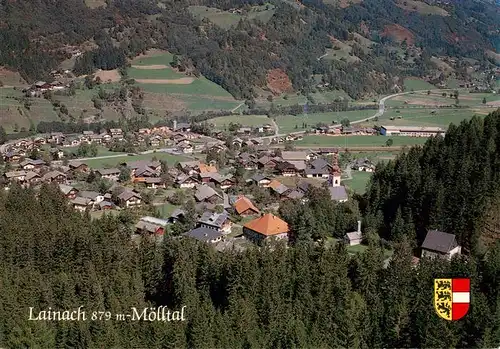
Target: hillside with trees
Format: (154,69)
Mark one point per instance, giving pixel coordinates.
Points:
(239,58)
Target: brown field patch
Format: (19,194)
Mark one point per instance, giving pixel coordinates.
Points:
(151,67)
(181,81)
(399,33)
(421,7)
(441,64)
(95,3)
(11,78)
(347,3)
(278,82)
(494,103)
(162,101)
(493,55)
(108,75)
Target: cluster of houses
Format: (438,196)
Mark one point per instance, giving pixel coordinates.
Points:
(39,87)
(35,172)
(258,129)
(345,130)
(215,208)
(180,139)
(363,165)
(266,166)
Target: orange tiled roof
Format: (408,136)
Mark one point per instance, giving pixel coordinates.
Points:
(243,204)
(207,168)
(268,225)
(274,184)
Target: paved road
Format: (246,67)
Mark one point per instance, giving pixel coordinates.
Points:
(235,109)
(379,113)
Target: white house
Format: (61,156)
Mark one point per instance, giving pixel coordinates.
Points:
(355,237)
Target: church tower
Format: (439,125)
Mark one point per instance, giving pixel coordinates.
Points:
(336,171)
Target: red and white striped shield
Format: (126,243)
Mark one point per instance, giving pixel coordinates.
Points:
(452,298)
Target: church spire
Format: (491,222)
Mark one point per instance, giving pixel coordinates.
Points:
(335,163)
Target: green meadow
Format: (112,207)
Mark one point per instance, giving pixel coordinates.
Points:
(226,19)
(417,84)
(245,120)
(428,117)
(114,161)
(201,94)
(356,141)
(287,123)
(358,182)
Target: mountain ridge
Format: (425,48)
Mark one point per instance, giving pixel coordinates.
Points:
(239,58)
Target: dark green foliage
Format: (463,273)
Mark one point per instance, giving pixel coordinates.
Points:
(446,185)
(233,58)
(307,296)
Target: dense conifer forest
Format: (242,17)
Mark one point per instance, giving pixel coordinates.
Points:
(307,295)
(449,184)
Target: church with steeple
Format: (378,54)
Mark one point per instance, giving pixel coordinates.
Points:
(337,191)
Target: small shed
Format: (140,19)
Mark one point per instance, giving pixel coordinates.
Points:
(355,237)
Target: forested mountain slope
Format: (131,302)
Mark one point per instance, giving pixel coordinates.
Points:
(239,57)
(450,184)
(306,296)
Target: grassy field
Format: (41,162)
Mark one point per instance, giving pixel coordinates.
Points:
(424,117)
(101,151)
(417,84)
(376,157)
(320,97)
(246,120)
(167,73)
(287,123)
(358,182)
(200,94)
(226,19)
(356,141)
(435,98)
(112,162)
(341,54)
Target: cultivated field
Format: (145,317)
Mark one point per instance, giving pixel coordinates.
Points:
(10,78)
(154,75)
(356,141)
(287,123)
(112,162)
(226,19)
(108,75)
(417,84)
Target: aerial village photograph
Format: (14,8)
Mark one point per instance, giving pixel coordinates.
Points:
(249,174)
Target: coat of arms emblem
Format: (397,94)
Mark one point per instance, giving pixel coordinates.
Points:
(452,298)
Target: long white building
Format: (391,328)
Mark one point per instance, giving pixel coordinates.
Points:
(411,131)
